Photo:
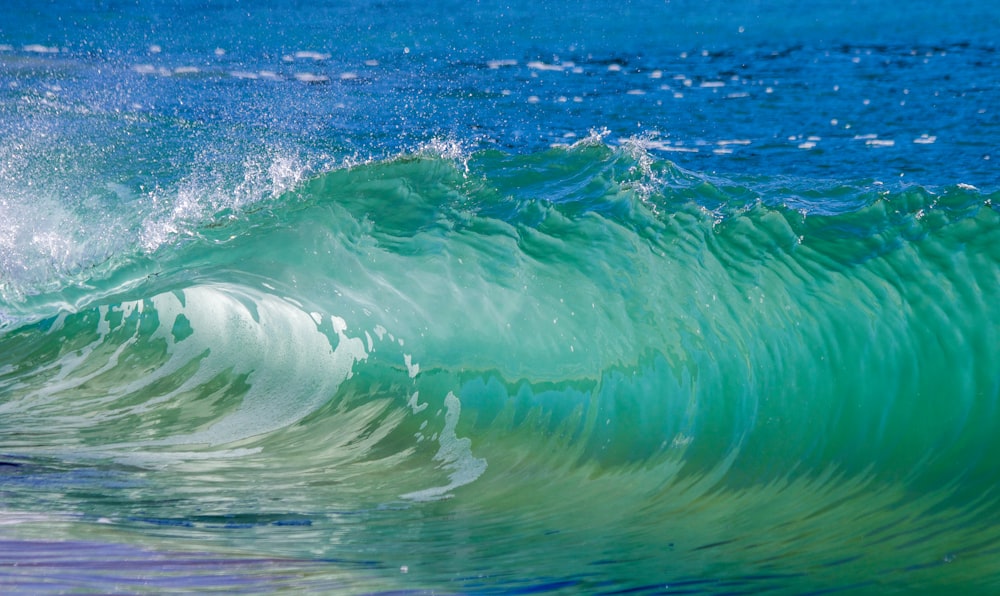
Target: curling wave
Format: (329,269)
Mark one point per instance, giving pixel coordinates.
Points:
(567,339)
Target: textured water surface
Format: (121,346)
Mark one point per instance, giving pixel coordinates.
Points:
(481,298)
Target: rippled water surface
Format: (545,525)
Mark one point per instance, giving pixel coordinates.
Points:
(378,297)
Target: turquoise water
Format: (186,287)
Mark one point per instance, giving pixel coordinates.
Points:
(370,298)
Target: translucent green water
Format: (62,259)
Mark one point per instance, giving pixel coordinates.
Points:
(583,370)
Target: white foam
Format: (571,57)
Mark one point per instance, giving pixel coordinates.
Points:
(496,64)
(290,366)
(416,407)
(455,455)
(539,65)
(308,77)
(40,49)
(309,55)
(412,368)
(654,145)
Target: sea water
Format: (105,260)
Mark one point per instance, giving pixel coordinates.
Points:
(499,297)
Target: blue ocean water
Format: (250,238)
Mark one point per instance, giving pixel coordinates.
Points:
(499,297)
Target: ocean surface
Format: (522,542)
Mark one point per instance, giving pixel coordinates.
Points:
(373,297)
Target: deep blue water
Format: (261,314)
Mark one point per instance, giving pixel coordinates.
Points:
(873,90)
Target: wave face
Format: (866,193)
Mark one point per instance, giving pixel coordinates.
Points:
(580,369)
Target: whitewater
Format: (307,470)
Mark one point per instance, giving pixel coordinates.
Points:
(495,298)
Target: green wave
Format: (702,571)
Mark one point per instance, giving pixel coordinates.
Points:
(515,353)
